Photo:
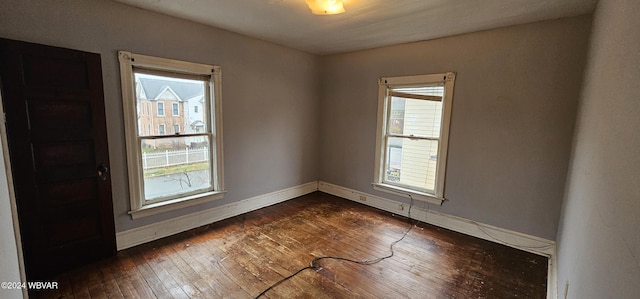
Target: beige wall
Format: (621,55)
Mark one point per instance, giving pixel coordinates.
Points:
(514,107)
(269,99)
(599,236)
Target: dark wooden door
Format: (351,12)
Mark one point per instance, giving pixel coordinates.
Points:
(54,105)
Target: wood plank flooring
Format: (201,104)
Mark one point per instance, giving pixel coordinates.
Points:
(242,256)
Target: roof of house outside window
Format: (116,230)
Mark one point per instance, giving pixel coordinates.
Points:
(153,88)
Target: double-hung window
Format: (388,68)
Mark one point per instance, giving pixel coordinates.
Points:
(160,108)
(175,110)
(171,169)
(414,113)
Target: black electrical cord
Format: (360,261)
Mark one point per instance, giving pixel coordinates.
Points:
(313,265)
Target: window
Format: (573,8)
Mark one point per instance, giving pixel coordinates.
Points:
(413,132)
(195,109)
(175,109)
(168,171)
(160,109)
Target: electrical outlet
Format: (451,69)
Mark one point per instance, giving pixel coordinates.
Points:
(363,198)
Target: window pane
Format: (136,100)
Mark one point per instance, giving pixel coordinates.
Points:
(160,108)
(175,166)
(396,118)
(175,108)
(411,162)
(415,117)
(173,99)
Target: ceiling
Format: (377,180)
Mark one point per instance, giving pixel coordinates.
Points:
(366,23)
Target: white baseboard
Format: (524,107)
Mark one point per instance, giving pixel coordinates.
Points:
(491,233)
(483,231)
(151,232)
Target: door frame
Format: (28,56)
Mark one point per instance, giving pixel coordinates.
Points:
(12,196)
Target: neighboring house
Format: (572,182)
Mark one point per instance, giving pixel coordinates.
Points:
(168,107)
(193,115)
(413,162)
(194,120)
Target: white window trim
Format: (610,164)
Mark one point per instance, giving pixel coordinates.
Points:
(128,61)
(384,84)
(162,129)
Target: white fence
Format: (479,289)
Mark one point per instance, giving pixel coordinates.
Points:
(170,158)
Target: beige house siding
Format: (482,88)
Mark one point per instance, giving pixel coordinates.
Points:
(422,118)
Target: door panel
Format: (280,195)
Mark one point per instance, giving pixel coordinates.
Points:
(64,193)
(56,115)
(54,105)
(55,72)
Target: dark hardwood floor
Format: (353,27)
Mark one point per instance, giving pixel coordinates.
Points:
(242,256)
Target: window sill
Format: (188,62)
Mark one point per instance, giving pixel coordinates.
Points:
(175,204)
(408,193)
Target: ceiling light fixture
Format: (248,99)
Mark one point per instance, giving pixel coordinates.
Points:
(325,7)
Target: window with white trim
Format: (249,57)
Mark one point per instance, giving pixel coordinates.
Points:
(414,114)
(175,110)
(171,170)
(160,108)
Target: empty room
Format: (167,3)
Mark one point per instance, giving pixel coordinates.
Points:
(319,149)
